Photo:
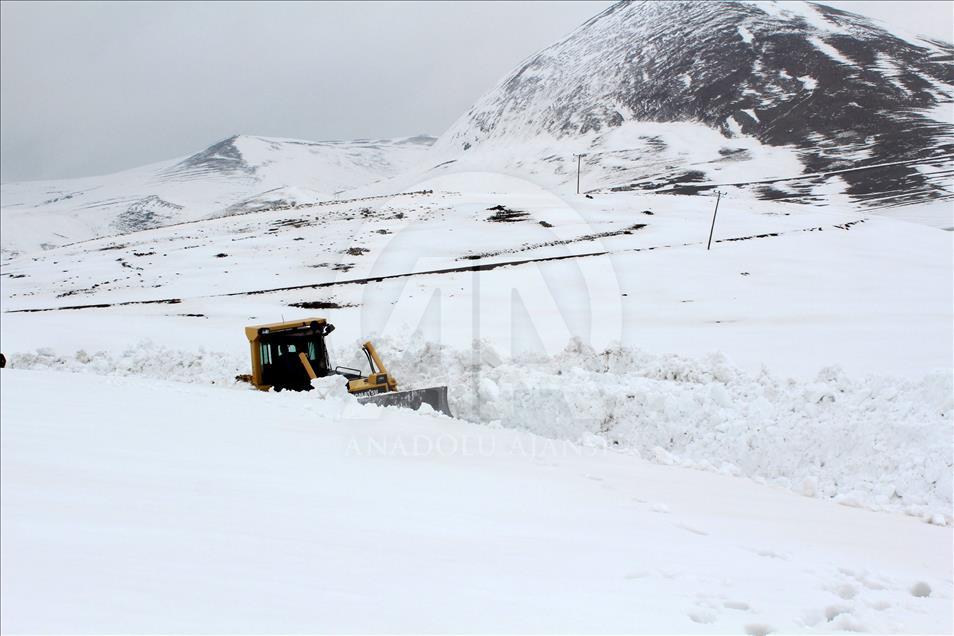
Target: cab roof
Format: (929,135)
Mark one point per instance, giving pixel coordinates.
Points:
(252,331)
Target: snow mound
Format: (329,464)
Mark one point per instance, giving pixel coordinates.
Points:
(146,359)
(876,442)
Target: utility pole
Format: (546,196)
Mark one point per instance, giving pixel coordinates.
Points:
(579,161)
(716,211)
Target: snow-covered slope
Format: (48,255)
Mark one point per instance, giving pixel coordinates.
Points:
(787,285)
(688,94)
(215,510)
(792,101)
(800,305)
(594,347)
(236,175)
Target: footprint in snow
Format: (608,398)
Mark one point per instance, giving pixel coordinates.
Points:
(846,591)
(736,605)
(703,617)
(872,582)
(692,530)
(758,629)
(920,590)
(847,623)
(768,554)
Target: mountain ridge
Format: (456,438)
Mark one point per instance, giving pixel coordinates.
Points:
(798,102)
(237,174)
(831,84)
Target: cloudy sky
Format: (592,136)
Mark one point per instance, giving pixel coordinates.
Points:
(91,88)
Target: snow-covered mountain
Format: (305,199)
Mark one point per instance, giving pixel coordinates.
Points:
(793,101)
(832,88)
(238,174)
(760,431)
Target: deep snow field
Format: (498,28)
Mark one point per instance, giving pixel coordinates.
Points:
(756,438)
(134,505)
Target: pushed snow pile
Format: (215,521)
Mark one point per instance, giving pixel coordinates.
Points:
(876,442)
(144,360)
(882,443)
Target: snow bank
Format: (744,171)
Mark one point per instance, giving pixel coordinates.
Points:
(146,359)
(231,497)
(876,442)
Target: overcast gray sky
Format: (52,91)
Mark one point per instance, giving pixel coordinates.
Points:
(90,88)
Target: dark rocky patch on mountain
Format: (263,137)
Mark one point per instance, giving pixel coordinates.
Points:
(145,213)
(844,92)
(223,157)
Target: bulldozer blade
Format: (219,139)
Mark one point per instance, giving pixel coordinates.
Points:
(435,397)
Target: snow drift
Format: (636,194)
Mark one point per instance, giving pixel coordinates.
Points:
(253,512)
(877,442)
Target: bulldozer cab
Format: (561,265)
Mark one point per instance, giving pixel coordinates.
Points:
(288,355)
(277,349)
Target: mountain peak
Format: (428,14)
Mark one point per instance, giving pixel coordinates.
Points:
(841,90)
(223,157)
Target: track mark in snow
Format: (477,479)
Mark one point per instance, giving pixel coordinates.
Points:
(920,590)
(160,301)
(688,528)
(768,554)
(846,591)
(865,579)
(480,267)
(758,629)
(533,246)
(702,616)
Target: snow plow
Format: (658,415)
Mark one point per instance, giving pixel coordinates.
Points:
(289,355)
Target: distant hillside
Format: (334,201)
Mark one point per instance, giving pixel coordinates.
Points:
(238,174)
(793,101)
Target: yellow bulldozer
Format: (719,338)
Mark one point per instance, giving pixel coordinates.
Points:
(289,355)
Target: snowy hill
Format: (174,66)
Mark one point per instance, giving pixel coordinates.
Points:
(236,175)
(795,102)
(650,435)
(682,95)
